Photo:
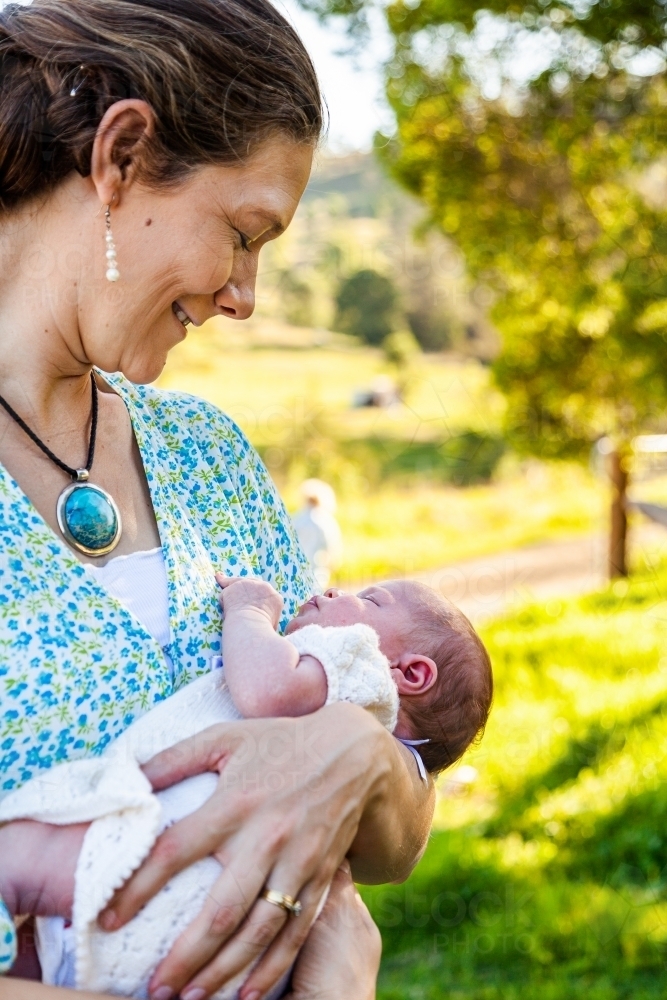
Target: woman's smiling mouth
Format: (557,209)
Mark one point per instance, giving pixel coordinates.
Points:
(180,314)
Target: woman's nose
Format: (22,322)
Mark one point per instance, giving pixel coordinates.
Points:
(236,300)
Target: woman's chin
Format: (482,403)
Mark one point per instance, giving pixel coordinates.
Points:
(145,370)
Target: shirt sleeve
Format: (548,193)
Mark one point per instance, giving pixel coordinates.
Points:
(7,940)
(355,669)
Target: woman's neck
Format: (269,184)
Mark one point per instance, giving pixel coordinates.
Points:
(44,373)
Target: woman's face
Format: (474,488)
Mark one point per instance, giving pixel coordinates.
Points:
(186,254)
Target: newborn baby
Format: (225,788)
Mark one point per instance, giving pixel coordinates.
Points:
(397,649)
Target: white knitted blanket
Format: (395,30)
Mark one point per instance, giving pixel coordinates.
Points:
(127,817)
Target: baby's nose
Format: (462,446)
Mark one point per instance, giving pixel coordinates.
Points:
(333,592)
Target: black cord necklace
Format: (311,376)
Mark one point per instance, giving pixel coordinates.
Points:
(87,515)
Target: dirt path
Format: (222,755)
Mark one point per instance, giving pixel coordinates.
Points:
(485,587)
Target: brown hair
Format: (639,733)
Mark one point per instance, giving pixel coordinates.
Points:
(453,714)
(220,75)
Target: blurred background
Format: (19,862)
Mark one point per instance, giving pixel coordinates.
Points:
(457,370)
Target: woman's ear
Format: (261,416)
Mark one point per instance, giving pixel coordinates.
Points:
(414,673)
(118,147)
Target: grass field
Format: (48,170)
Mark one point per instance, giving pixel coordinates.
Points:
(395,471)
(547,879)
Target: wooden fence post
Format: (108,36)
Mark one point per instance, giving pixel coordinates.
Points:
(618,540)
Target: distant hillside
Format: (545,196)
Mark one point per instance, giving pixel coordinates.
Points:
(360,180)
(354,217)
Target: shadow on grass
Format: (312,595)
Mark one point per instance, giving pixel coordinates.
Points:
(461,460)
(584,750)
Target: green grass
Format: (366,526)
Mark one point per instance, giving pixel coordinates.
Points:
(548,878)
(397,472)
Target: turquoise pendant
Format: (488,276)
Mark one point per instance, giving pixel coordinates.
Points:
(89,519)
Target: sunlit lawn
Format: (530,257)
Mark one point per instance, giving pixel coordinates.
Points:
(293,400)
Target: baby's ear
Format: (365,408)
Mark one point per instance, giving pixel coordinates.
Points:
(414,673)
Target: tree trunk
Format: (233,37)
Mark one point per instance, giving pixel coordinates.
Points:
(618,541)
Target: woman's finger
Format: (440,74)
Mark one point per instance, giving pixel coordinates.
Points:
(341,956)
(261,928)
(206,751)
(282,952)
(229,901)
(204,949)
(249,859)
(196,836)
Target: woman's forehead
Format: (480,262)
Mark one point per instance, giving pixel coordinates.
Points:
(269,184)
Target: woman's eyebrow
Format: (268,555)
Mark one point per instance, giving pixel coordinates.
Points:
(275,226)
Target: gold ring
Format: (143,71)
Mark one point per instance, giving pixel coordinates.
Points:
(285,902)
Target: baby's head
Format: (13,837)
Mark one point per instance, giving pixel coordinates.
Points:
(438,662)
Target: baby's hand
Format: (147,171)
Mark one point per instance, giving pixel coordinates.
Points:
(240,592)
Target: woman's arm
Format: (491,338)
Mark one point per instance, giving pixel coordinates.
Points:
(37,866)
(20,989)
(294,797)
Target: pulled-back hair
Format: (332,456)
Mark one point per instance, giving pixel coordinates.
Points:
(220,75)
(453,714)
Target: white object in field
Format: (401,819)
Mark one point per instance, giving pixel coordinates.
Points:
(655,512)
(318,530)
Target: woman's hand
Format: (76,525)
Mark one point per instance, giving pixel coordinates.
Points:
(341,956)
(37,866)
(293,798)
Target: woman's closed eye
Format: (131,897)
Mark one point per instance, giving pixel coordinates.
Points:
(245,242)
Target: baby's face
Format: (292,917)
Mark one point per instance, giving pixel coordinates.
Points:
(383,606)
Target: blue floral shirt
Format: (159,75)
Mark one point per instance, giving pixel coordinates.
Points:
(76,667)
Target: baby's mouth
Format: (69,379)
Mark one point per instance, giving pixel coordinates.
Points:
(180,314)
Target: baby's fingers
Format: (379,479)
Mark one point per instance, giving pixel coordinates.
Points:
(226,581)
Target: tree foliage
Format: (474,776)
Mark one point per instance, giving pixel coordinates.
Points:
(366,304)
(539,177)
(547,209)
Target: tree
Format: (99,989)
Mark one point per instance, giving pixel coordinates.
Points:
(401,349)
(539,182)
(366,304)
(297,299)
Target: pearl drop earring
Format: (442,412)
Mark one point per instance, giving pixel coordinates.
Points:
(113,274)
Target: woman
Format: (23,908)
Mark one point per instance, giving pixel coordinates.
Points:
(148,150)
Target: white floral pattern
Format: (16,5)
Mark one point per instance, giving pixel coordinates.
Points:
(75,666)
